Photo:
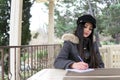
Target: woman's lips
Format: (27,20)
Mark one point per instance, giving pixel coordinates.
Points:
(86,33)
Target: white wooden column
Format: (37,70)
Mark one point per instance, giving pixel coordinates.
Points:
(51,22)
(51,33)
(15,37)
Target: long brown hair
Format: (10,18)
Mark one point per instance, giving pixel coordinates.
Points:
(93,57)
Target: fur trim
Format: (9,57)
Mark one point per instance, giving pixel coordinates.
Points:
(73,38)
(70,37)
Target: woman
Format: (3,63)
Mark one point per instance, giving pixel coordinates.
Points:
(80,50)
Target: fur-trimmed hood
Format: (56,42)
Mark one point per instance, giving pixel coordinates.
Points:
(73,38)
(70,37)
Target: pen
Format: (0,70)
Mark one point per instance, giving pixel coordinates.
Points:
(80,58)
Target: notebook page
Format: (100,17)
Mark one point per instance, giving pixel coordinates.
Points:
(80,71)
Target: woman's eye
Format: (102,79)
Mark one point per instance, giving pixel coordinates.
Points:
(85,27)
(90,29)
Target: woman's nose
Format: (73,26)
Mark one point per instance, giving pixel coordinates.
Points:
(87,29)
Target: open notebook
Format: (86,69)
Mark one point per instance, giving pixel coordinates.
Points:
(93,74)
(80,71)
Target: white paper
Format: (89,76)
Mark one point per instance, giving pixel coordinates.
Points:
(80,71)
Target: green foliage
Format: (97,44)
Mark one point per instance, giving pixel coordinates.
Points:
(111,21)
(26,36)
(24,56)
(108,43)
(41,54)
(36,35)
(5,60)
(4,22)
(114,25)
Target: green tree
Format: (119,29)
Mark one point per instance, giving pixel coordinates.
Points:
(4,22)
(26,36)
(110,19)
(114,25)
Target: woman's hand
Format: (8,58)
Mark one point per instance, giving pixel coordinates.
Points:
(79,65)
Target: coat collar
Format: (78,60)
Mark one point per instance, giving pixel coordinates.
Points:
(70,37)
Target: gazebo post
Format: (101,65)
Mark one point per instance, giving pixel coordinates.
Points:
(15,38)
(51,22)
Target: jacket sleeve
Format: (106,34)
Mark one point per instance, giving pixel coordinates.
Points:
(62,61)
(100,61)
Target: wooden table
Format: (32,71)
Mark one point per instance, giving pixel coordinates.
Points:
(49,74)
(58,74)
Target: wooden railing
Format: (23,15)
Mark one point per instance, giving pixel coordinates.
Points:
(33,58)
(111,56)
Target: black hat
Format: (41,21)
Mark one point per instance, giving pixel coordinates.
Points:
(87,18)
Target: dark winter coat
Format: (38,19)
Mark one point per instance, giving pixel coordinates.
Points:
(69,53)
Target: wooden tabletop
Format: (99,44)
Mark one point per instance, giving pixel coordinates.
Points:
(49,74)
(59,74)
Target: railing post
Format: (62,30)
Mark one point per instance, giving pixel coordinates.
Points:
(2,62)
(50,50)
(109,57)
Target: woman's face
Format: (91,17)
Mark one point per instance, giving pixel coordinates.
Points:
(87,29)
